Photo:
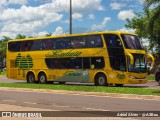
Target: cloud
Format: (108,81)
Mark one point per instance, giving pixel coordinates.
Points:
(77,16)
(27,19)
(79,5)
(91,16)
(58,31)
(65,21)
(117,6)
(126,30)
(40,34)
(126,14)
(101,26)
(142,1)
(127,0)
(7,2)
(8,34)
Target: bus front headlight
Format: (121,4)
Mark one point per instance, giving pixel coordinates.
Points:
(132,77)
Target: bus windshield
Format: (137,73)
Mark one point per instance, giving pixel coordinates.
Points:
(139,64)
(131,41)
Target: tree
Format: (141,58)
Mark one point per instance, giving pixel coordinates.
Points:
(19,36)
(140,24)
(48,35)
(3,47)
(155,15)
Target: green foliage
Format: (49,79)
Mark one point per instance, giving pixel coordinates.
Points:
(48,35)
(3,47)
(151,77)
(2,72)
(19,36)
(146,23)
(141,24)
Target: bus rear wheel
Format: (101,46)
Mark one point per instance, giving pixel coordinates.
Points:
(30,78)
(119,85)
(100,80)
(62,83)
(42,78)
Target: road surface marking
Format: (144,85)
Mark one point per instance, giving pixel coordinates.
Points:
(96,109)
(29,103)
(8,100)
(60,106)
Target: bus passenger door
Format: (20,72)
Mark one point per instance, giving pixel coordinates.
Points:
(117,58)
(118,64)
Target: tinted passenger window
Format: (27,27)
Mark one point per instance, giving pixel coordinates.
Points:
(61,43)
(14,46)
(94,41)
(78,42)
(86,63)
(75,63)
(90,41)
(36,45)
(113,41)
(98,62)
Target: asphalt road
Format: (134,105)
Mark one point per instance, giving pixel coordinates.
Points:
(37,100)
(73,102)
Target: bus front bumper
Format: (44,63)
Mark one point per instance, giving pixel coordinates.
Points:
(138,81)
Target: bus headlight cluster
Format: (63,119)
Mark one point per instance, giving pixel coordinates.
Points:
(132,77)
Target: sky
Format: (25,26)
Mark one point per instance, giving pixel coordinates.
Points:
(40,17)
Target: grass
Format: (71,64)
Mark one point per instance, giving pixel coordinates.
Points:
(2,72)
(151,77)
(124,90)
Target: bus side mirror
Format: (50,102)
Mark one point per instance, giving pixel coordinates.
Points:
(131,57)
(152,58)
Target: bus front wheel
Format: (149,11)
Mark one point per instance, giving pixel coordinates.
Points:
(42,78)
(30,78)
(100,80)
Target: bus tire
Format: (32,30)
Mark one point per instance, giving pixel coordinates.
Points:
(30,78)
(62,83)
(158,81)
(119,85)
(100,80)
(42,78)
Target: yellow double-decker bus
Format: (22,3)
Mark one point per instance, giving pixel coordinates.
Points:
(102,58)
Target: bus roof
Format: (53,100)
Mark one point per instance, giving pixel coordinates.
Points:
(68,35)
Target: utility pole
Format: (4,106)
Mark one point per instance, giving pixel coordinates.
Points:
(70,16)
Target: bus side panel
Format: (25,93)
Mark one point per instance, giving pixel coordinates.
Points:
(75,75)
